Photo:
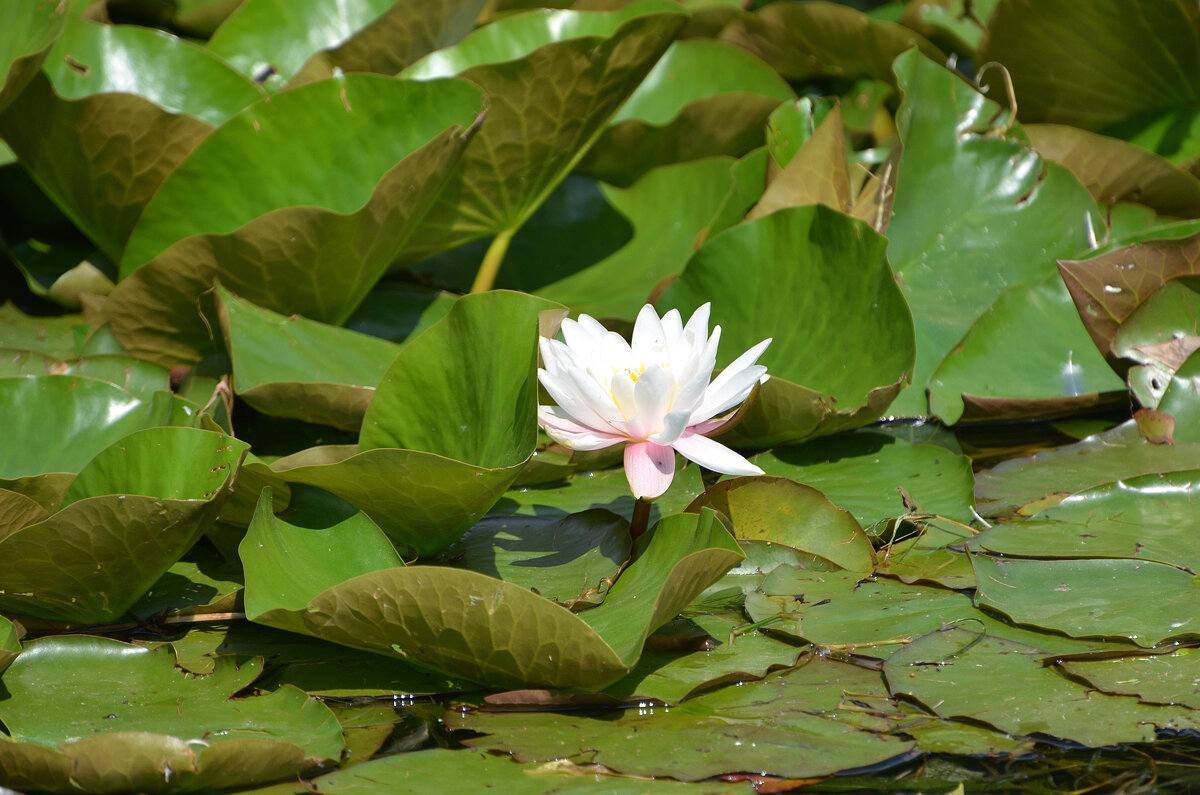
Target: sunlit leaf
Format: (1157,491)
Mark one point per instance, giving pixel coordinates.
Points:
(31,29)
(120,717)
(765,275)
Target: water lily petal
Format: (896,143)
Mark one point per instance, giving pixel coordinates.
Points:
(571,434)
(565,394)
(674,424)
(595,394)
(713,455)
(734,383)
(652,393)
(623,387)
(649,468)
(649,338)
(694,377)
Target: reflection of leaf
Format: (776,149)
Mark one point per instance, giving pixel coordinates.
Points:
(121,713)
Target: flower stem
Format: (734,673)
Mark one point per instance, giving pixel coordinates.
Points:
(641,518)
(485,277)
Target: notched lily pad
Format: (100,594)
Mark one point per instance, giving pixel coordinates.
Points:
(470,625)
(87,714)
(131,512)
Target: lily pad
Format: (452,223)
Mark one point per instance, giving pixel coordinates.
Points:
(878,477)
(1120,453)
(1163,330)
(562,75)
(702,98)
(70,127)
(10,643)
(1145,518)
(857,614)
(1172,678)
(570,560)
(1108,288)
(821,39)
(132,511)
(32,29)
(960,672)
(764,274)
(1181,400)
(121,717)
(761,726)
(266,39)
(301,369)
(1115,171)
(785,512)
(1027,357)
(979,213)
(273,244)
(1129,70)
(473,626)
(1093,597)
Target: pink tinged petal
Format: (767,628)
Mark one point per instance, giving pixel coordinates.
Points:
(713,455)
(649,468)
(706,427)
(582,441)
(652,394)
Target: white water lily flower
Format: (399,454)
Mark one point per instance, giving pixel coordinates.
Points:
(655,394)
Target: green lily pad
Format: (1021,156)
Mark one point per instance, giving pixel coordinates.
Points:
(1108,289)
(419,771)
(1172,678)
(702,98)
(816,173)
(71,127)
(865,616)
(10,643)
(785,512)
(667,209)
(1162,330)
(132,512)
(439,444)
(878,477)
(762,726)
(1052,475)
(1026,357)
(69,419)
(395,39)
(671,672)
(470,625)
(120,717)
(1143,601)
(955,25)
(562,75)
(960,672)
(283,241)
(59,336)
(1115,171)
(140,378)
(1129,70)
(268,39)
(1181,400)
(570,560)
(1146,518)
(935,555)
(979,212)
(761,276)
(301,369)
(810,40)
(32,29)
